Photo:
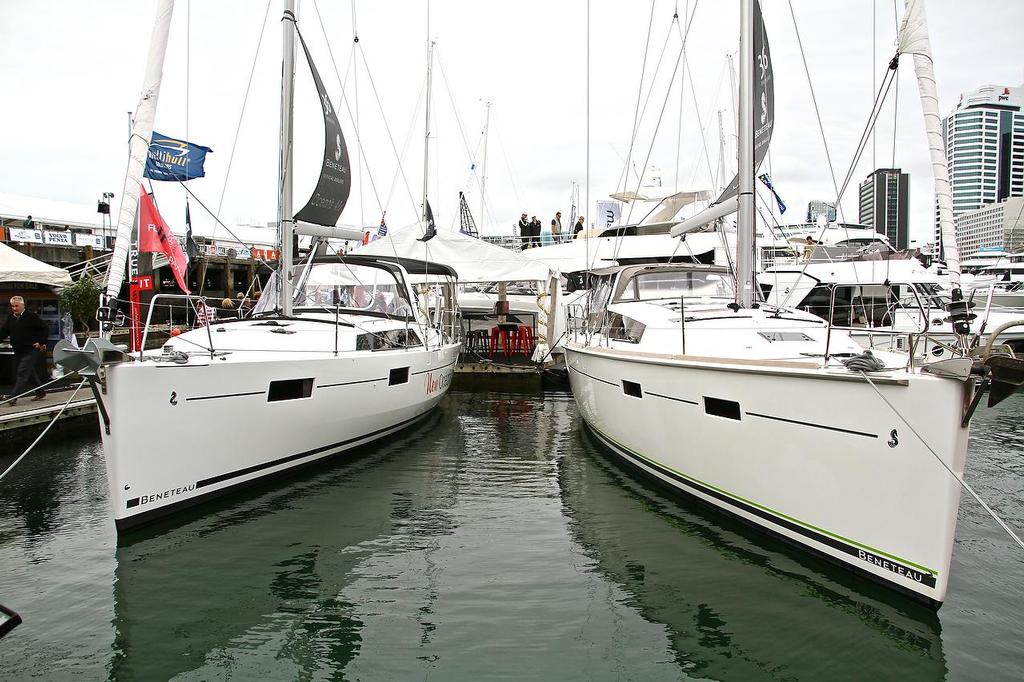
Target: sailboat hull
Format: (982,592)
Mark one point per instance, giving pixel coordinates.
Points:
(817,460)
(178,435)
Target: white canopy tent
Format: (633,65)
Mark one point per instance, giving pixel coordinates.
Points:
(477,261)
(17,267)
(474,259)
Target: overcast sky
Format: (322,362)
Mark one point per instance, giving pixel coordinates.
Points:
(70,72)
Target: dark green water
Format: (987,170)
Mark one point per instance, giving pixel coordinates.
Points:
(496,541)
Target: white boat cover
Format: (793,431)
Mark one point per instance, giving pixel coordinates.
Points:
(475,260)
(17,267)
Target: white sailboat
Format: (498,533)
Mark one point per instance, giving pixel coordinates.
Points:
(736,403)
(349,356)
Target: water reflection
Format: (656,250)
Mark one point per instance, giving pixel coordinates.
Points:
(738,606)
(250,585)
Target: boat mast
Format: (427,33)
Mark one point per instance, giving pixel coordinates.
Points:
(483,167)
(426,133)
(138,150)
(745,195)
(286,222)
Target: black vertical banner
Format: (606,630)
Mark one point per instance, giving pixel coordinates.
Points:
(764,100)
(335,184)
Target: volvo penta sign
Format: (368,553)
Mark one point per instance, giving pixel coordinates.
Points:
(55,238)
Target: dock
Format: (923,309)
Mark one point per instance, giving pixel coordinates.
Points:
(17,421)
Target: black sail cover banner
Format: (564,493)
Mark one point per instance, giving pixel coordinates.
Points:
(764,100)
(335,184)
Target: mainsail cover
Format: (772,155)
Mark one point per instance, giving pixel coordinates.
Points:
(335,184)
(764,123)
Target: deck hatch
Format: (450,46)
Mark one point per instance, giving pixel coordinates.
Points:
(632,388)
(399,375)
(290,389)
(730,409)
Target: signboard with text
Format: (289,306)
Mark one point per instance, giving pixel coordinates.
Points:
(58,238)
(21,234)
(93,240)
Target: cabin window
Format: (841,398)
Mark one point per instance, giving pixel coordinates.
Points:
(289,389)
(621,328)
(730,409)
(773,337)
(390,339)
(399,375)
(632,388)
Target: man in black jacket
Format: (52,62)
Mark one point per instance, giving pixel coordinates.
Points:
(525,226)
(28,333)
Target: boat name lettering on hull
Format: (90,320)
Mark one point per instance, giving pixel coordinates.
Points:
(905,571)
(156,497)
(439,381)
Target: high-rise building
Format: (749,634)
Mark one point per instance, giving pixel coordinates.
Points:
(984,139)
(817,207)
(885,204)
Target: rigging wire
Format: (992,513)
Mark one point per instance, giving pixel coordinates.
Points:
(45,431)
(959,479)
(639,93)
(817,111)
(400,172)
(664,105)
(238,127)
(348,109)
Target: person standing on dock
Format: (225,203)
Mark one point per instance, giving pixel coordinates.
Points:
(556,227)
(27,333)
(578,228)
(524,232)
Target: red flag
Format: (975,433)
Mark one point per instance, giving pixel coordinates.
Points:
(156,237)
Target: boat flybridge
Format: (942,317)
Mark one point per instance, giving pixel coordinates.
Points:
(892,304)
(234,401)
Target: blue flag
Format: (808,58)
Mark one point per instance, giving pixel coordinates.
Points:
(171,159)
(768,183)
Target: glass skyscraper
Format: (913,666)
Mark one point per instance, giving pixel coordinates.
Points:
(984,138)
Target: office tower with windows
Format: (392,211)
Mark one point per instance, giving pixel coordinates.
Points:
(885,205)
(984,138)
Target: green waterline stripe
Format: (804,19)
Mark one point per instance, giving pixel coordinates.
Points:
(871,549)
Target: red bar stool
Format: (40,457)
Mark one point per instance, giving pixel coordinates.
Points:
(507,340)
(524,340)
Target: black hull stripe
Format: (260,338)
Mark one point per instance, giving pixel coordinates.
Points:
(434,369)
(603,381)
(351,383)
(812,425)
(291,458)
(366,381)
(752,414)
(225,395)
(143,518)
(668,397)
(926,578)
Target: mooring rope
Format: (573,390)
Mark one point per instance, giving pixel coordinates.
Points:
(11,398)
(961,481)
(40,436)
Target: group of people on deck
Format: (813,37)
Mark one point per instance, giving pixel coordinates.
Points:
(530,230)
